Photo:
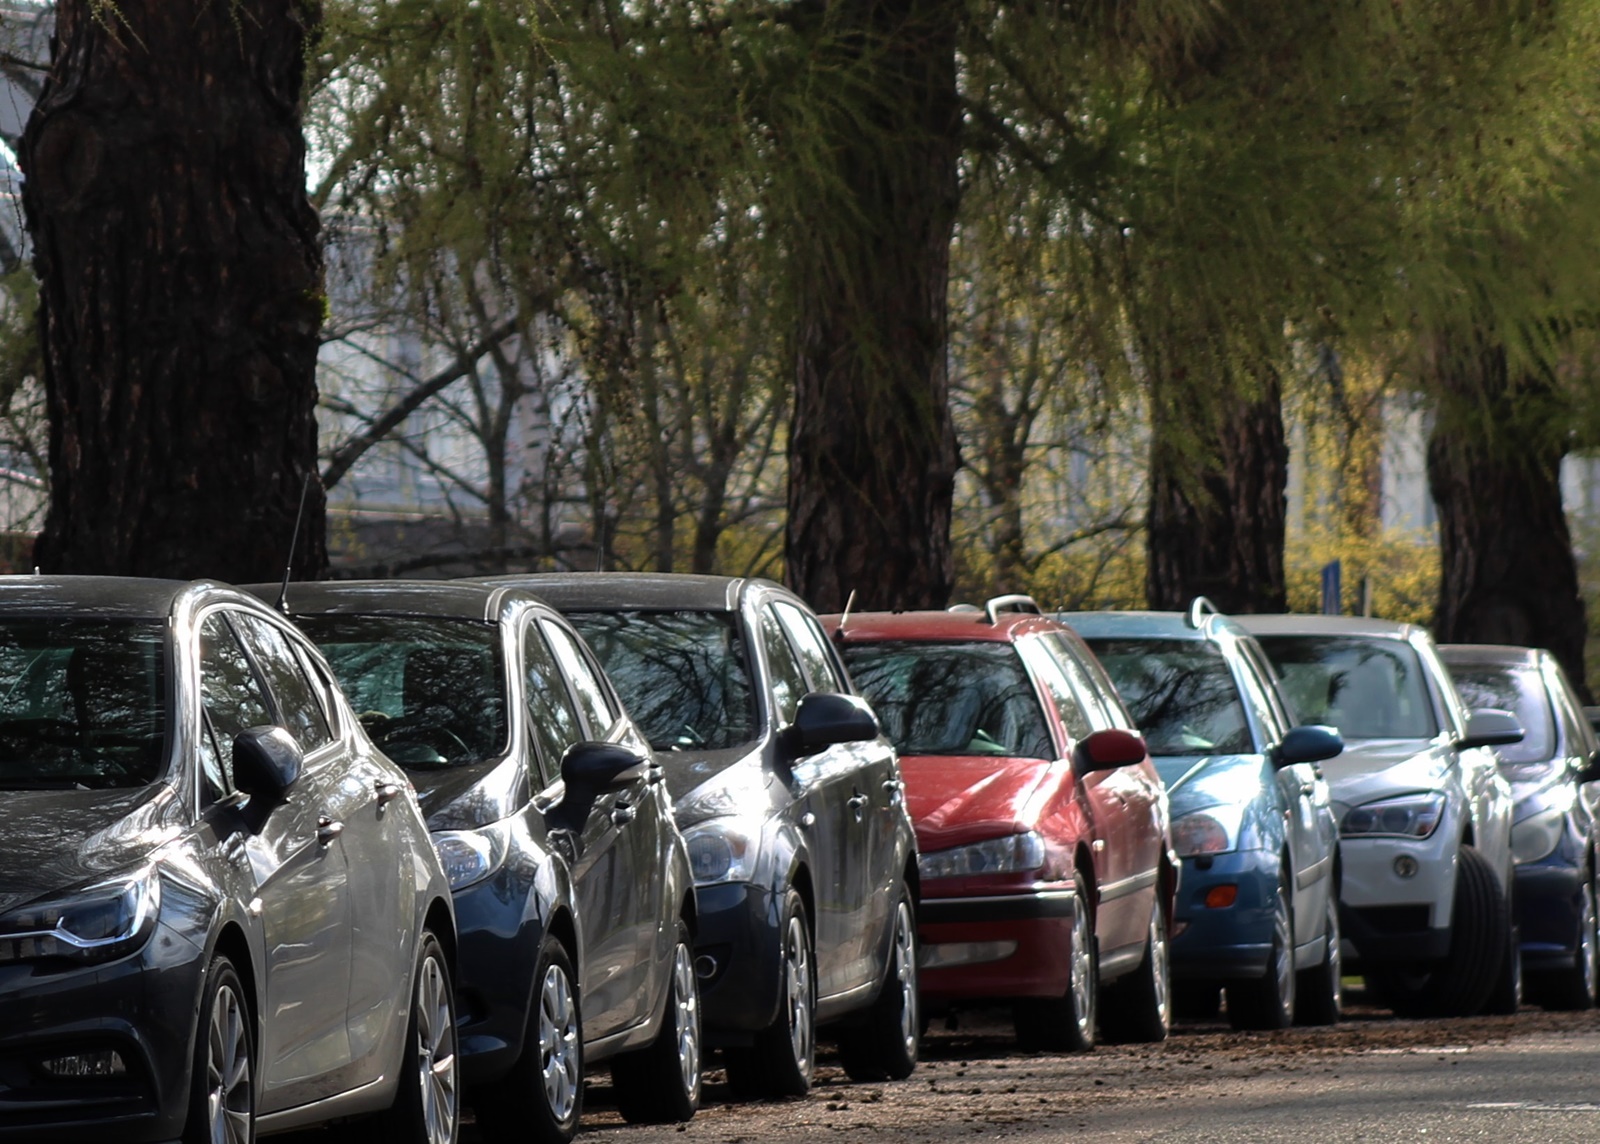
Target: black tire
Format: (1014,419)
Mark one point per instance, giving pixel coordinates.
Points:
(1138,1008)
(1319,995)
(1574,988)
(541,1098)
(223,1085)
(427,1107)
(1267,1002)
(1505,999)
(1196,1001)
(1067,1023)
(661,1084)
(783,1058)
(1459,985)
(885,1048)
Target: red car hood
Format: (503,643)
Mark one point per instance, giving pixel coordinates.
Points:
(957,800)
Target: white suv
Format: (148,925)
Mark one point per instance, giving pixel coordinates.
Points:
(1424,816)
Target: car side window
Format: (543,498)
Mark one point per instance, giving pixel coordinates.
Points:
(1053,675)
(232,698)
(581,673)
(1257,697)
(552,719)
(812,646)
(788,680)
(298,704)
(1577,737)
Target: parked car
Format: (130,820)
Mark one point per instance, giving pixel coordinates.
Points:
(1424,816)
(1047,873)
(1251,820)
(791,802)
(1553,840)
(572,889)
(220,913)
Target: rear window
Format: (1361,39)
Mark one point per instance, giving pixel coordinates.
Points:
(952,699)
(1181,693)
(1367,688)
(1519,690)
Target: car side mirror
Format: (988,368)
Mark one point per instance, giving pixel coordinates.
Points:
(266,763)
(597,767)
(1487,727)
(826,718)
(1110,748)
(1308,744)
(1591,771)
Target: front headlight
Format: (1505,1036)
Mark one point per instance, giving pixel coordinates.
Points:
(470,856)
(107,920)
(1410,816)
(723,850)
(1012,854)
(1536,837)
(1214,830)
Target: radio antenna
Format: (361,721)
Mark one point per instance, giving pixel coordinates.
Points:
(844,617)
(288,567)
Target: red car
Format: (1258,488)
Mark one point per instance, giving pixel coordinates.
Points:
(1047,874)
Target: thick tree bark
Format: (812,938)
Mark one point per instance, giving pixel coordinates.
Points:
(1218,475)
(1507,571)
(872,448)
(181,288)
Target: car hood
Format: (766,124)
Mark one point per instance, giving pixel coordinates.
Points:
(468,797)
(1376,768)
(1194,782)
(955,800)
(58,839)
(712,784)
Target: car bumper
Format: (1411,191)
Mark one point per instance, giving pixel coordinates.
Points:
(497,945)
(1234,941)
(143,1007)
(738,957)
(995,946)
(1549,903)
(1387,916)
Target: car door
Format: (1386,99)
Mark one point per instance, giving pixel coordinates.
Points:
(301,901)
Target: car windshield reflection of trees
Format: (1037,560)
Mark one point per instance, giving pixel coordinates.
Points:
(951,699)
(1180,693)
(683,675)
(1368,688)
(1520,691)
(430,691)
(82,703)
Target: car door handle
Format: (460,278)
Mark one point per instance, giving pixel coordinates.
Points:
(858,804)
(894,788)
(387,792)
(655,773)
(328,830)
(622,814)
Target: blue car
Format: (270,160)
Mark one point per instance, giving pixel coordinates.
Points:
(1553,841)
(1257,909)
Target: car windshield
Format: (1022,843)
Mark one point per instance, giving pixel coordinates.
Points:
(1519,690)
(429,690)
(83,703)
(952,699)
(1369,688)
(683,675)
(1181,694)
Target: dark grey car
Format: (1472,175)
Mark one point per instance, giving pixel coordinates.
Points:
(219,908)
(793,808)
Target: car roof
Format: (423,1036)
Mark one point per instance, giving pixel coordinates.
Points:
(635,591)
(1316,625)
(936,625)
(451,599)
(1144,625)
(1497,655)
(113,597)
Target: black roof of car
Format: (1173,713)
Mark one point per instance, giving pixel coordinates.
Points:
(122,597)
(634,591)
(453,599)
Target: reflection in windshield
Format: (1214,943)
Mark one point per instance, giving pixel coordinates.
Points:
(951,699)
(1182,696)
(682,675)
(1368,688)
(429,690)
(1520,691)
(82,703)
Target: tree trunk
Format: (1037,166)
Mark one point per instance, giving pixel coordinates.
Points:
(180,288)
(1507,571)
(872,448)
(1218,476)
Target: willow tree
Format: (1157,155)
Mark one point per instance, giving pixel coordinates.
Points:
(180,288)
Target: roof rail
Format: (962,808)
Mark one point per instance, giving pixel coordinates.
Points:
(1199,607)
(963,609)
(1014,603)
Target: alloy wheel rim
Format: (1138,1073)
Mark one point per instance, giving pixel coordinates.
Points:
(558,1044)
(1335,955)
(1283,965)
(686,1000)
(797,970)
(436,1053)
(1158,965)
(1587,945)
(228,1091)
(1082,987)
(905,958)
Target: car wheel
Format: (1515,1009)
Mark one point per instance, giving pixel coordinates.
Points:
(1139,1007)
(1506,996)
(661,1084)
(781,1061)
(427,1107)
(541,1098)
(1319,995)
(1267,1002)
(1459,985)
(1066,1023)
(222,1094)
(886,1047)
(1574,988)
